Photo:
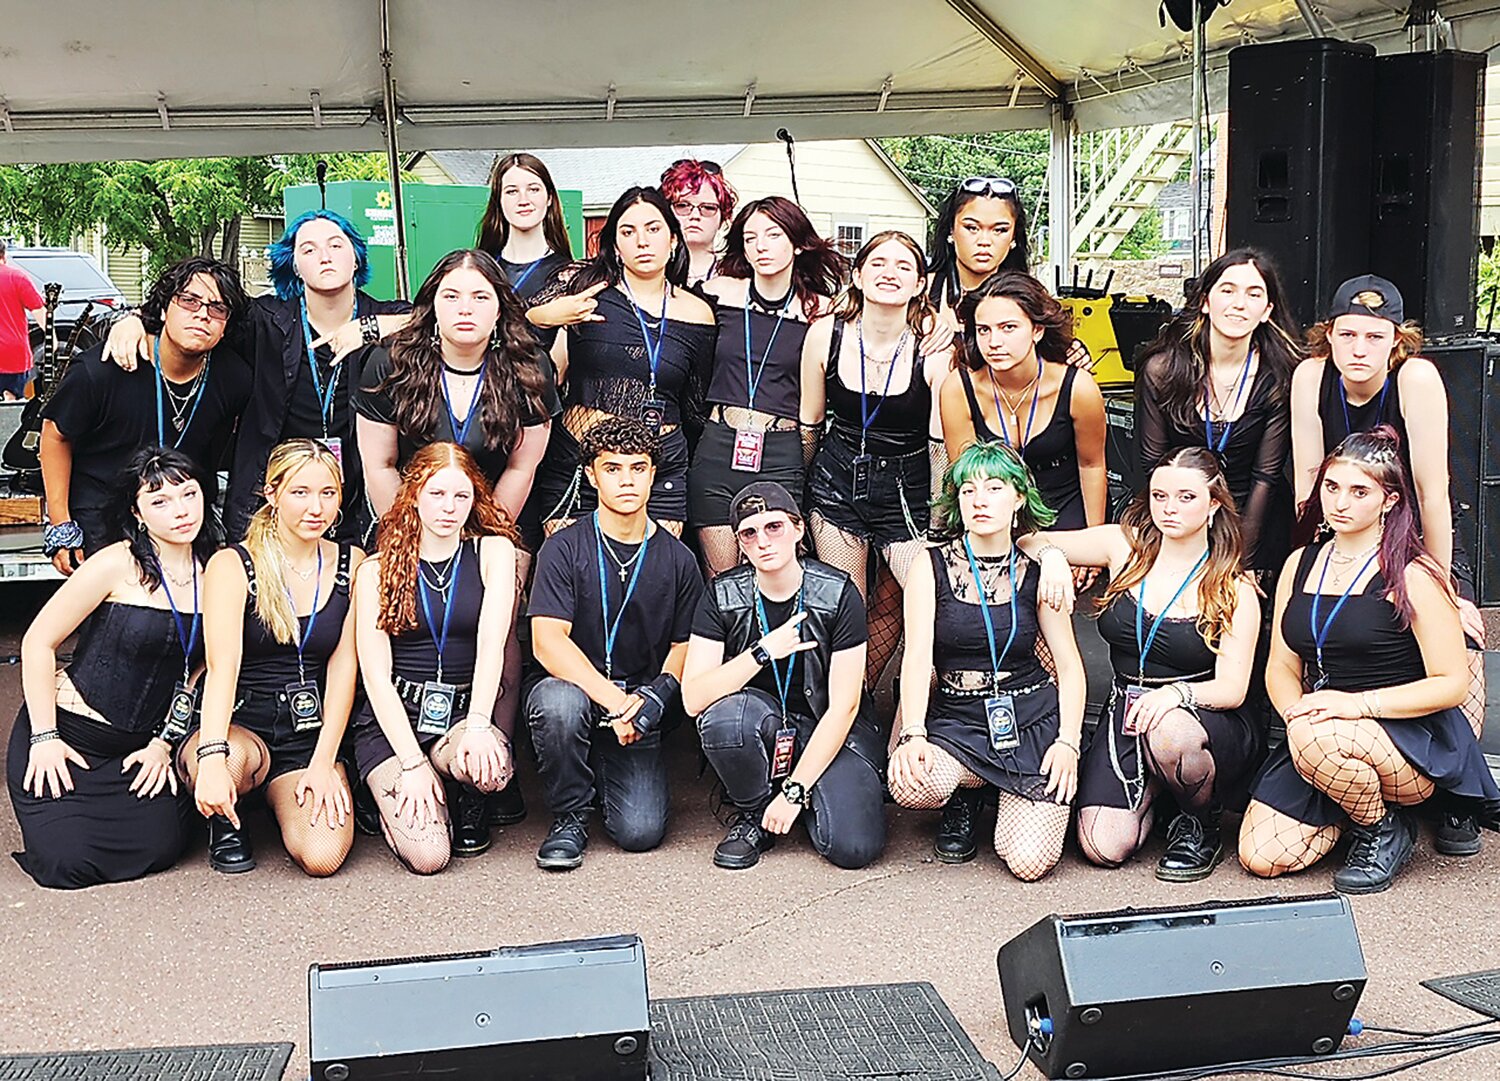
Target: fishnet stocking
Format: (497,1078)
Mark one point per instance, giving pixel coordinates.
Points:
(1473,703)
(317,849)
(1111,835)
(845,551)
(885,614)
(721,550)
(1177,751)
(1355,763)
(444,756)
(423,849)
(937,458)
(947,776)
(1272,843)
(249,759)
(1029,834)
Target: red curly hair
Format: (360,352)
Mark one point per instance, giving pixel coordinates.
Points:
(684,178)
(400,538)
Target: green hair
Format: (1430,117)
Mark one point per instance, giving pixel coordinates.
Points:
(986,461)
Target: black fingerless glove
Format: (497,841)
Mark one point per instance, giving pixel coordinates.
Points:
(655,697)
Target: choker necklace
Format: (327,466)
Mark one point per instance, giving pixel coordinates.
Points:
(451,370)
(769,305)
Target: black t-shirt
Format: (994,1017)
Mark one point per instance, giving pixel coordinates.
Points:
(107,413)
(849,630)
(660,613)
(375,404)
(304,412)
(529,279)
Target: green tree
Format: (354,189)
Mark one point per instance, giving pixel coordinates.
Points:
(1145,240)
(935,163)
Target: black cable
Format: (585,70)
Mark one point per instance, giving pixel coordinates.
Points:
(1021,1062)
(1434,1032)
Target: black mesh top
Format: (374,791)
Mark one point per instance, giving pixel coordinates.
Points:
(127,661)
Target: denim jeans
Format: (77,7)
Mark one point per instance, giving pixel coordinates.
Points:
(845,809)
(579,760)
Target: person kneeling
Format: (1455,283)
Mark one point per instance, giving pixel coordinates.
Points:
(775,675)
(611,608)
(437,596)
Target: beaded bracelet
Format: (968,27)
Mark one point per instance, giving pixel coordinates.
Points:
(43,737)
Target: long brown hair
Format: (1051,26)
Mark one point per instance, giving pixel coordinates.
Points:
(817,268)
(1035,303)
(1218,588)
(918,309)
(399,542)
(494,230)
(273,606)
(1408,342)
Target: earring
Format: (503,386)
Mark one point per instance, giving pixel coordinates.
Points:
(496,339)
(437,339)
(140,525)
(1323,532)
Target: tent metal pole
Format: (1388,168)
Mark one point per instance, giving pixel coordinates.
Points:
(1310,17)
(393,151)
(1199,56)
(1060,189)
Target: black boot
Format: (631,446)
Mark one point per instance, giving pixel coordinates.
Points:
(229,850)
(507,806)
(1457,833)
(958,834)
(1193,847)
(366,813)
(744,842)
(466,809)
(1376,853)
(563,848)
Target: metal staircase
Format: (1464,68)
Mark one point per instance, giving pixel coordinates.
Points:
(1118,175)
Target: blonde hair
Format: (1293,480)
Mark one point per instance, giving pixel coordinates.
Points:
(273,605)
(1408,342)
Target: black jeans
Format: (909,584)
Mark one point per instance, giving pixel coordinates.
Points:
(576,759)
(845,810)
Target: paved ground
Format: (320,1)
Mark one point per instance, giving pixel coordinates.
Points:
(193,957)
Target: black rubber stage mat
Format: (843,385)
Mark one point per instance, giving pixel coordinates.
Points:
(896,1030)
(227,1062)
(1477,991)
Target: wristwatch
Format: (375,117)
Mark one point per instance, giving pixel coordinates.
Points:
(760,655)
(794,792)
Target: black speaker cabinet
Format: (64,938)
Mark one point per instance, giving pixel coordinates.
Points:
(1425,226)
(561,1011)
(1149,990)
(1122,459)
(1301,124)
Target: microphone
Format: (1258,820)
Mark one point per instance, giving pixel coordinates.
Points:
(323,182)
(791,159)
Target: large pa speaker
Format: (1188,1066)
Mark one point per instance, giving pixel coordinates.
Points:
(1150,990)
(1301,124)
(1425,225)
(1122,459)
(561,1011)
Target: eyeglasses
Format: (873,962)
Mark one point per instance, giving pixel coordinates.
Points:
(711,167)
(773,530)
(988,185)
(192,303)
(684,209)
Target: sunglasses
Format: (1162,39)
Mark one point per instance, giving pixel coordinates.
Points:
(192,303)
(774,530)
(988,185)
(684,209)
(711,167)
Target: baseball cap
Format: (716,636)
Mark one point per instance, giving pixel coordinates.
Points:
(1368,294)
(758,498)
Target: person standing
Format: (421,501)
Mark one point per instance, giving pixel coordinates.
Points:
(18,300)
(703,202)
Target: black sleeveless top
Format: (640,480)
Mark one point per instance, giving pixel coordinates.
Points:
(267,666)
(959,641)
(127,662)
(901,425)
(1366,648)
(778,390)
(1384,408)
(1051,454)
(1178,652)
(414,652)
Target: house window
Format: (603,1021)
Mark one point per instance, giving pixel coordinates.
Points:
(848,238)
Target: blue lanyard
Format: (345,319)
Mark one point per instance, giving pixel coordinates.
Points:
(1239,390)
(461,431)
(161,382)
(188,640)
(521,278)
(441,640)
(1030,417)
(1320,636)
(1143,649)
(653,352)
(1379,409)
(324,395)
(783,688)
(753,378)
(866,414)
(612,631)
(984,608)
(312,617)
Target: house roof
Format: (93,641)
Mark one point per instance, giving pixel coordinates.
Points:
(600,173)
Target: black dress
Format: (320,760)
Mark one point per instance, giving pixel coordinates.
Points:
(1178,652)
(1051,454)
(956,719)
(125,667)
(414,658)
(1367,649)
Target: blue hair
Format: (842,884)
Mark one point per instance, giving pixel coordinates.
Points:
(281,253)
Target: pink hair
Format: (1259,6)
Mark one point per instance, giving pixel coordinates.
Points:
(685,177)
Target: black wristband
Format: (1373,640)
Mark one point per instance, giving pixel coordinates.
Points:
(760,654)
(369,329)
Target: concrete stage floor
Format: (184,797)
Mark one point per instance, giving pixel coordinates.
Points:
(192,956)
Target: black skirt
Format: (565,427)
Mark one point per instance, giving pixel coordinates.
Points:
(958,725)
(370,745)
(712,483)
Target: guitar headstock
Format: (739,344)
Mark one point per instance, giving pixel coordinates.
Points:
(52,293)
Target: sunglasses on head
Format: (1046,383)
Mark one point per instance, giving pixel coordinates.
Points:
(988,185)
(707,166)
(773,530)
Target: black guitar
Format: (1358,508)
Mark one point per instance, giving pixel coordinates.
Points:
(21,451)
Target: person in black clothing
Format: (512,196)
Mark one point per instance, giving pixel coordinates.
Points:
(190,398)
(611,607)
(1367,669)
(775,676)
(319,311)
(647,356)
(1218,376)
(90,760)
(523,226)
(439,595)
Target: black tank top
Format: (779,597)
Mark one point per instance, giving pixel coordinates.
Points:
(901,425)
(1051,454)
(1178,652)
(1384,408)
(779,383)
(266,665)
(960,643)
(414,652)
(127,661)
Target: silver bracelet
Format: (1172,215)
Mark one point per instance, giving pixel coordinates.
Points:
(1044,549)
(43,736)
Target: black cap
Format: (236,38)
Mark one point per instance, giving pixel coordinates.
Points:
(1368,294)
(758,498)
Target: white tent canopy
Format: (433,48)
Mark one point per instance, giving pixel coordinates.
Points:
(158,78)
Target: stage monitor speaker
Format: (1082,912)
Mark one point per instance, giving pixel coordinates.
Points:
(1122,461)
(560,1011)
(1151,990)
(1425,225)
(1301,125)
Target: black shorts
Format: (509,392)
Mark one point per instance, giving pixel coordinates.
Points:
(269,716)
(896,510)
(712,483)
(563,493)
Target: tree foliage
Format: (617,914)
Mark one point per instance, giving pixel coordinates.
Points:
(935,163)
